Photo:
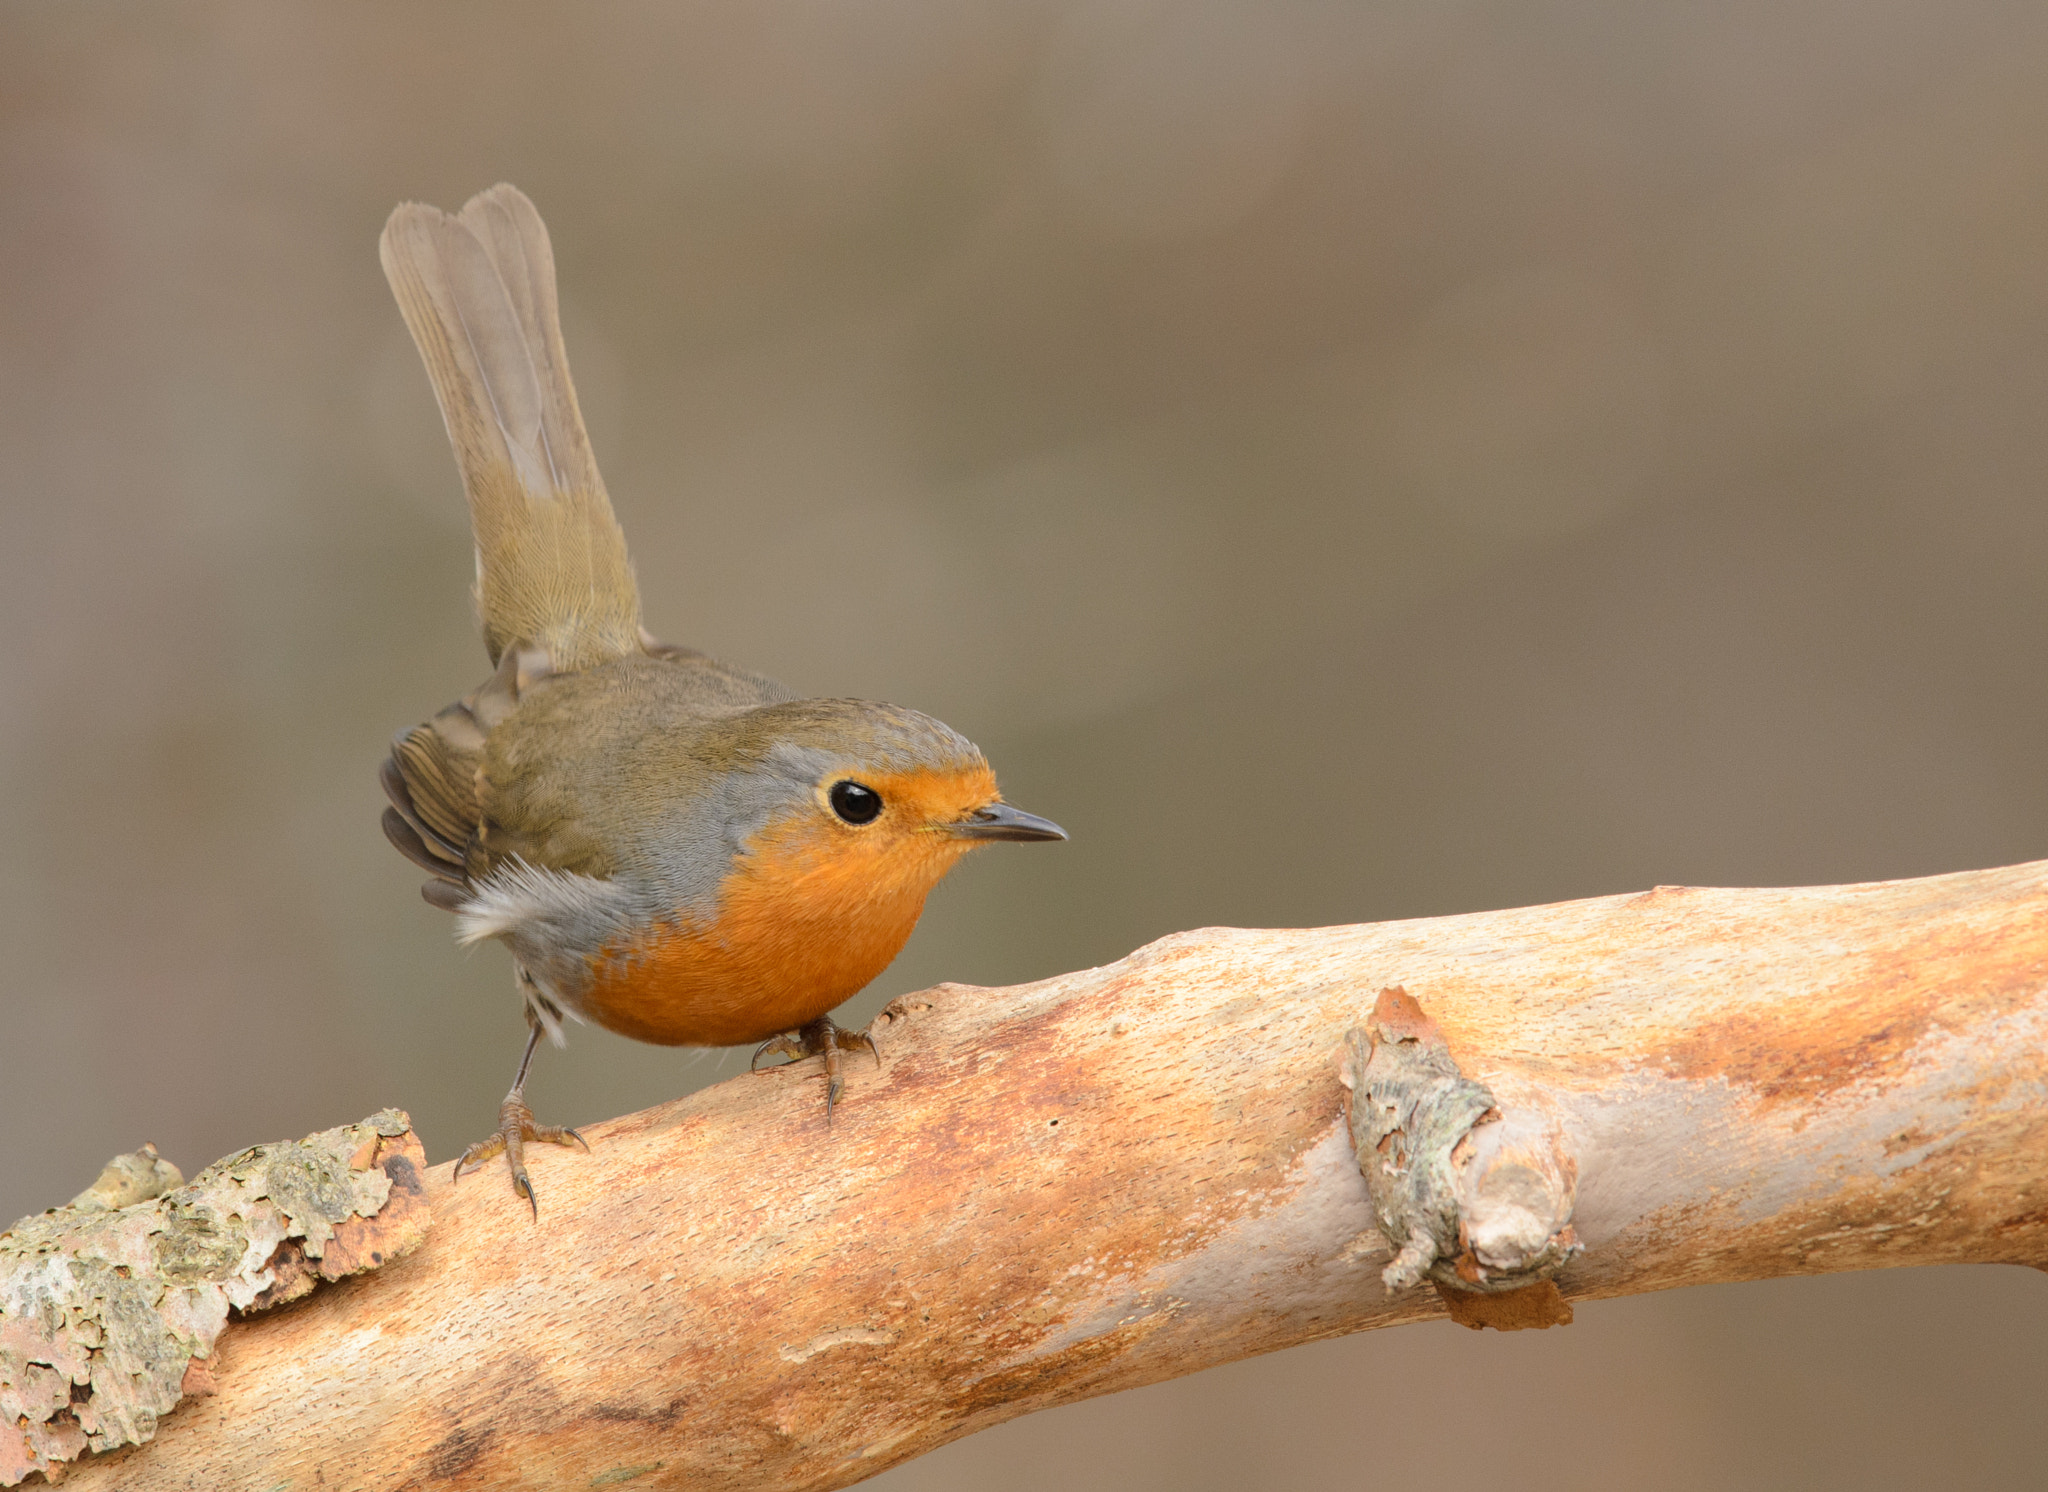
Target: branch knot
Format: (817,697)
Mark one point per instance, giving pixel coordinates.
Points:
(1470,1197)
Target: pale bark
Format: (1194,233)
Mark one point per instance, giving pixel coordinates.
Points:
(1131,1173)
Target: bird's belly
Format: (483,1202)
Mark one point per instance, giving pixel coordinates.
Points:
(678,986)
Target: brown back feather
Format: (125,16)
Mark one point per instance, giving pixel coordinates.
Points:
(437,814)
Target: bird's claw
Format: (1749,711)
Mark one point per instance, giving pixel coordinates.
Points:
(785,1045)
(820,1038)
(515,1127)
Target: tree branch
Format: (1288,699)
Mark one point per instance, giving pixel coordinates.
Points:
(1131,1173)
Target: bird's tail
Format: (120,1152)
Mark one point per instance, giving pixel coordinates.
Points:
(478,294)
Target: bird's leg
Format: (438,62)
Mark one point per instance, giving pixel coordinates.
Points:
(820,1038)
(516,1127)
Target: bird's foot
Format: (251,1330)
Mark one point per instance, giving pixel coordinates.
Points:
(515,1128)
(821,1038)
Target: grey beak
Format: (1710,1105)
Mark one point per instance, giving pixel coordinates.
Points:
(1001,821)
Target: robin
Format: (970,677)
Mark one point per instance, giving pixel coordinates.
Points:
(678,850)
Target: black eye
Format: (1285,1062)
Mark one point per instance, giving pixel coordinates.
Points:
(854,803)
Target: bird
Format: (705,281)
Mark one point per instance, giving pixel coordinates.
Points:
(673,848)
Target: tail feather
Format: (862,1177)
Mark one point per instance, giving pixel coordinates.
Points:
(478,294)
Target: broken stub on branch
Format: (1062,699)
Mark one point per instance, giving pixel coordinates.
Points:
(1473,1199)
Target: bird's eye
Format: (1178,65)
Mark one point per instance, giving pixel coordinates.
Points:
(854,803)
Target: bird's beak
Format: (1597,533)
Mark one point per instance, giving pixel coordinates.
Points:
(1001,821)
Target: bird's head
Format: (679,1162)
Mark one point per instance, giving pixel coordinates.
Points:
(854,793)
(823,813)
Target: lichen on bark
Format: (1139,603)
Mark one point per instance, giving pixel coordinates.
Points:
(104,1311)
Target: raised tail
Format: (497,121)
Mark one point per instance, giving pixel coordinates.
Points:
(478,294)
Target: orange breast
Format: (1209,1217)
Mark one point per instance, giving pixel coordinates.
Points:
(807,919)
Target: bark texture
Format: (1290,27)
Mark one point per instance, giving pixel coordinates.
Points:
(110,1306)
(1134,1172)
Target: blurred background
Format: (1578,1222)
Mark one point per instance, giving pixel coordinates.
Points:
(1345,461)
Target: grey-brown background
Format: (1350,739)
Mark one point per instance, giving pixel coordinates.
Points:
(1345,461)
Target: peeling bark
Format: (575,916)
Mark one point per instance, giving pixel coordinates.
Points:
(1530,1308)
(110,1306)
(127,1179)
(1134,1172)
